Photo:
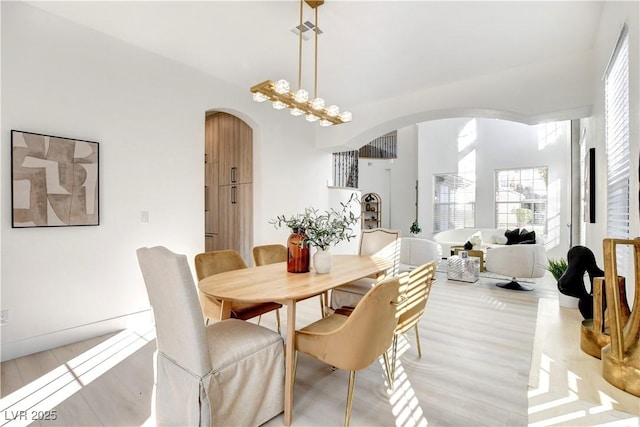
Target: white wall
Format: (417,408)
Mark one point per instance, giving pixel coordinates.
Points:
(375,176)
(614,15)
(498,144)
(64,284)
(394,180)
(558,89)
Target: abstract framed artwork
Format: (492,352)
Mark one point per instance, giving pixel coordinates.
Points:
(54,181)
(590,186)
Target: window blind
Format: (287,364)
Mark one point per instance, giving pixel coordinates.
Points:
(617,146)
(521,199)
(454,201)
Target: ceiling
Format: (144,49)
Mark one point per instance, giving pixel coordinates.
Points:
(370,50)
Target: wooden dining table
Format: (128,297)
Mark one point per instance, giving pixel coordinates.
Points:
(272,283)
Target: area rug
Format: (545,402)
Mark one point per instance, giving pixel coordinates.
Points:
(477,343)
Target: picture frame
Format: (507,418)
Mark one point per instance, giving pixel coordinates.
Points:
(590,186)
(54,181)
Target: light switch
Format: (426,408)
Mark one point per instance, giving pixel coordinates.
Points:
(144,217)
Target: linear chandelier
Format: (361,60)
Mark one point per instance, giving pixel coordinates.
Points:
(298,102)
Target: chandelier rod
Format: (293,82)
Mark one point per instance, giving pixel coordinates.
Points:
(300,48)
(315,72)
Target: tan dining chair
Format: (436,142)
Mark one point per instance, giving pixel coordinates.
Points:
(228,373)
(354,342)
(414,293)
(214,262)
(415,288)
(269,254)
(379,242)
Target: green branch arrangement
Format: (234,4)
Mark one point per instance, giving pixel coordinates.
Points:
(322,229)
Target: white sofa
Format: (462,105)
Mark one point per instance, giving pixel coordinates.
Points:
(458,237)
(415,252)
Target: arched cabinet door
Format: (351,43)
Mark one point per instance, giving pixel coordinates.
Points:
(228,184)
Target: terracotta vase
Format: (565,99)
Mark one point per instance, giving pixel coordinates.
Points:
(298,256)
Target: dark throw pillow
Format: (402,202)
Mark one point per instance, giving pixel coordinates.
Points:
(513,236)
(527,237)
(468,246)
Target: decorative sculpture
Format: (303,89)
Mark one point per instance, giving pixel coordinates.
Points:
(594,333)
(580,259)
(621,358)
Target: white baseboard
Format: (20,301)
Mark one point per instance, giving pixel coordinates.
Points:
(26,346)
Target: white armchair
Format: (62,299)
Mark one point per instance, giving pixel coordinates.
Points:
(415,252)
(517,261)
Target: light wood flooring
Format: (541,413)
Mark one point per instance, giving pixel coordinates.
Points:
(491,357)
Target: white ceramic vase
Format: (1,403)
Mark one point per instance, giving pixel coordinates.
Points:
(322,260)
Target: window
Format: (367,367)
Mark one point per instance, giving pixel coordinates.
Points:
(345,169)
(454,202)
(521,199)
(384,147)
(617,147)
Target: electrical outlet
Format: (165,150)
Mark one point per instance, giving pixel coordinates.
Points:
(4,317)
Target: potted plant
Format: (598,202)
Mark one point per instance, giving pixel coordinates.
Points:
(415,228)
(557,267)
(321,229)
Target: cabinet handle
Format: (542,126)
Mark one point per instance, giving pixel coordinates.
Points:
(233,174)
(233,195)
(206,198)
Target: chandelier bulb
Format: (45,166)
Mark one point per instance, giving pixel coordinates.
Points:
(279,105)
(333,111)
(259,97)
(301,95)
(325,123)
(281,86)
(345,116)
(317,104)
(296,112)
(311,118)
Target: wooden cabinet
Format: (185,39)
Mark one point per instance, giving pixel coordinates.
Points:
(371,211)
(235,151)
(228,184)
(233,203)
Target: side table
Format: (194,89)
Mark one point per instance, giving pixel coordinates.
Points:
(463,269)
(472,253)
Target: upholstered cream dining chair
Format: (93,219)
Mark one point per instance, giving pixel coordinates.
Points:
(354,342)
(414,292)
(379,242)
(227,373)
(214,262)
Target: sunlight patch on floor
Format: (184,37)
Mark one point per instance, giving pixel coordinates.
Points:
(42,395)
(404,402)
